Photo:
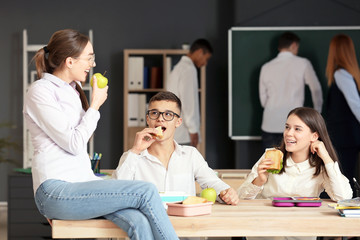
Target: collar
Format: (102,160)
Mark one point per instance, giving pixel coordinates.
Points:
(285,54)
(54,79)
(187,60)
(179,150)
(301,166)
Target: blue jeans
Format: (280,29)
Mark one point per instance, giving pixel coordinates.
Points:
(134,206)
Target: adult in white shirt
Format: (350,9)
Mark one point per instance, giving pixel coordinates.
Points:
(162,161)
(310,164)
(183,82)
(61,124)
(282,88)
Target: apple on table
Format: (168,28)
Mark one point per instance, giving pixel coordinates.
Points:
(209,194)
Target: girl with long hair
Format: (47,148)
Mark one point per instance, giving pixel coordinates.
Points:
(310,164)
(61,122)
(343,102)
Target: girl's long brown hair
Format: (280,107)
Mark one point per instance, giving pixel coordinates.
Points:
(316,123)
(63,44)
(342,55)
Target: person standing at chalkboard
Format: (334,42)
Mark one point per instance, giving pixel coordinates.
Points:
(183,81)
(343,102)
(282,88)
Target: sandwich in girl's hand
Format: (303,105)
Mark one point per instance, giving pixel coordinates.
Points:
(277,158)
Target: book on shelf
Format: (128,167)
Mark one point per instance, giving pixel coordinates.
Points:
(156,77)
(133,110)
(136,73)
(142,110)
(136,110)
(146,78)
(168,68)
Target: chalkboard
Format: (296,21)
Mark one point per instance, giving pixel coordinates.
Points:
(250,48)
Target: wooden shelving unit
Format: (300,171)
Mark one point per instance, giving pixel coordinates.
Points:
(160,56)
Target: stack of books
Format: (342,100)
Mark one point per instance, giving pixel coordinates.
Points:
(348,207)
(350,212)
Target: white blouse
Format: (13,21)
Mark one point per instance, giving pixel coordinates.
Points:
(298,181)
(60,131)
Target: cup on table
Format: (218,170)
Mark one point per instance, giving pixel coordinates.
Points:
(95,165)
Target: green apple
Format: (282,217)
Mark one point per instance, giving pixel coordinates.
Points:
(101,80)
(209,194)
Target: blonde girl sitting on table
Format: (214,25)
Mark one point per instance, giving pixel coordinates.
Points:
(310,165)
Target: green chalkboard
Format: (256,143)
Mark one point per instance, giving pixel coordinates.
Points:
(250,48)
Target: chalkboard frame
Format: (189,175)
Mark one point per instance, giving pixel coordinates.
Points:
(254,108)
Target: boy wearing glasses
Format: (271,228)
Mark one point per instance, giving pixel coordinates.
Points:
(170,166)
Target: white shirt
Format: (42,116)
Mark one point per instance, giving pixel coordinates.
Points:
(186,165)
(298,181)
(282,88)
(345,82)
(183,82)
(60,131)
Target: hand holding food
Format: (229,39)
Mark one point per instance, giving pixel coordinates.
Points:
(143,140)
(276,157)
(99,95)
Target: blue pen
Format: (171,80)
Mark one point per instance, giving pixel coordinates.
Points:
(94,161)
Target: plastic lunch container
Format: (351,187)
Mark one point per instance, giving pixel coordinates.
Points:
(178,209)
(296,201)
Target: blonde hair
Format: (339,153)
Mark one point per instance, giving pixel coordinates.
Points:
(342,55)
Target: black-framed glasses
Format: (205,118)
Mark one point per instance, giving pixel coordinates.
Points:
(167,115)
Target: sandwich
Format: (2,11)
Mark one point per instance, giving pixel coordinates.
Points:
(194,200)
(277,158)
(159,133)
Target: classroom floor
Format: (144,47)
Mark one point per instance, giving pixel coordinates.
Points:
(3,220)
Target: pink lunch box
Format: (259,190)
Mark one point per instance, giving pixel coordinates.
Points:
(296,201)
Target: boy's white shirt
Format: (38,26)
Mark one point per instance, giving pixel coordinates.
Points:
(186,165)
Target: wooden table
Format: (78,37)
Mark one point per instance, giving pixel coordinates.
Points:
(249,218)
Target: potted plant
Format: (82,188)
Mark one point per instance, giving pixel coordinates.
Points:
(7,144)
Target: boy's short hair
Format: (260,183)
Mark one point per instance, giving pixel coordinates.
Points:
(286,39)
(166,96)
(201,44)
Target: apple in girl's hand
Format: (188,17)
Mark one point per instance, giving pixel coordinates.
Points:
(209,194)
(101,80)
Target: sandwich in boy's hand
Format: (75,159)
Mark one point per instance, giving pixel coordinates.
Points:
(159,133)
(277,158)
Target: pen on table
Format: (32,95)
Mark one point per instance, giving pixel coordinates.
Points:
(357,186)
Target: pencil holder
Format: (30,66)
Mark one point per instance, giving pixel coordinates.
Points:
(95,165)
